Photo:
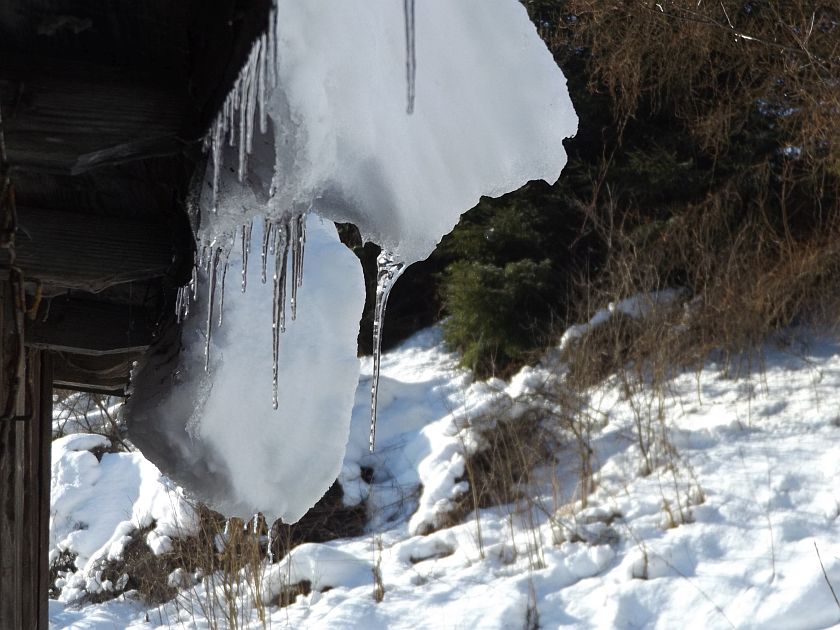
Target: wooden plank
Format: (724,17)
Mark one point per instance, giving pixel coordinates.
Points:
(105,374)
(11,527)
(89,327)
(25,501)
(36,493)
(89,252)
(11,479)
(140,36)
(45,409)
(73,117)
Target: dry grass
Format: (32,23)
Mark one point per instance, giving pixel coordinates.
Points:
(217,571)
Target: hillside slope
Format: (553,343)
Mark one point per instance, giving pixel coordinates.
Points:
(715,504)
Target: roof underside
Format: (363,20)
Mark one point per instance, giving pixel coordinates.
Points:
(104,108)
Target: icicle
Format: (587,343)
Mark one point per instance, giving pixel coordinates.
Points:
(182,302)
(302,247)
(233,106)
(262,86)
(281,261)
(246,251)
(222,295)
(278,323)
(211,294)
(179,305)
(270,551)
(202,257)
(266,239)
(388,269)
(244,106)
(272,48)
(410,53)
(252,86)
(216,148)
(194,280)
(298,239)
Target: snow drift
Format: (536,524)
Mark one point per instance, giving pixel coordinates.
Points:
(317,123)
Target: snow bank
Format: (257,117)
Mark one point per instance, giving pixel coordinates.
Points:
(317,123)
(764,449)
(322,566)
(95,506)
(637,307)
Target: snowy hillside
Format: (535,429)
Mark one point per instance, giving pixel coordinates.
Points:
(714,503)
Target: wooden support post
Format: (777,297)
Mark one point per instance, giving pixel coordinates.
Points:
(24,483)
(36,483)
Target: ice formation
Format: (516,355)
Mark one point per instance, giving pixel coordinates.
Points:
(215,430)
(395,118)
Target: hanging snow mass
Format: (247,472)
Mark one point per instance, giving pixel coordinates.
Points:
(396,118)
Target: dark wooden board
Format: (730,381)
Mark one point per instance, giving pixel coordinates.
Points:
(89,252)
(72,117)
(105,374)
(89,327)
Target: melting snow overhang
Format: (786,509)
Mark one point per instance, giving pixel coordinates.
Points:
(318,128)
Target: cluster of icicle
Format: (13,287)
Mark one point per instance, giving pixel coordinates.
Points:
(281,238)
(245,107)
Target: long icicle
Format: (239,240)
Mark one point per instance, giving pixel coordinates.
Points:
(247,228)
(298,238)
(410,53)
(253,93)
(213,265)
(278,324)
(222,289)
(245,83)
(181,303)
(262,83)
(194,280)
(388,269)
(267,227)
(216,141)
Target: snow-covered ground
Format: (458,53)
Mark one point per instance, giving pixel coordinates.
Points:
(731,528)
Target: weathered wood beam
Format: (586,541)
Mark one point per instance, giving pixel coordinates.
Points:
(89,327)
(73,117)
(105,374)
(90,252)
(24,482)
(36,500)
(11,480)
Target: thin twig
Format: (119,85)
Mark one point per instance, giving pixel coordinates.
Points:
(825,575)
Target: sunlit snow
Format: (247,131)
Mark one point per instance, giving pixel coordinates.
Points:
(761,444)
